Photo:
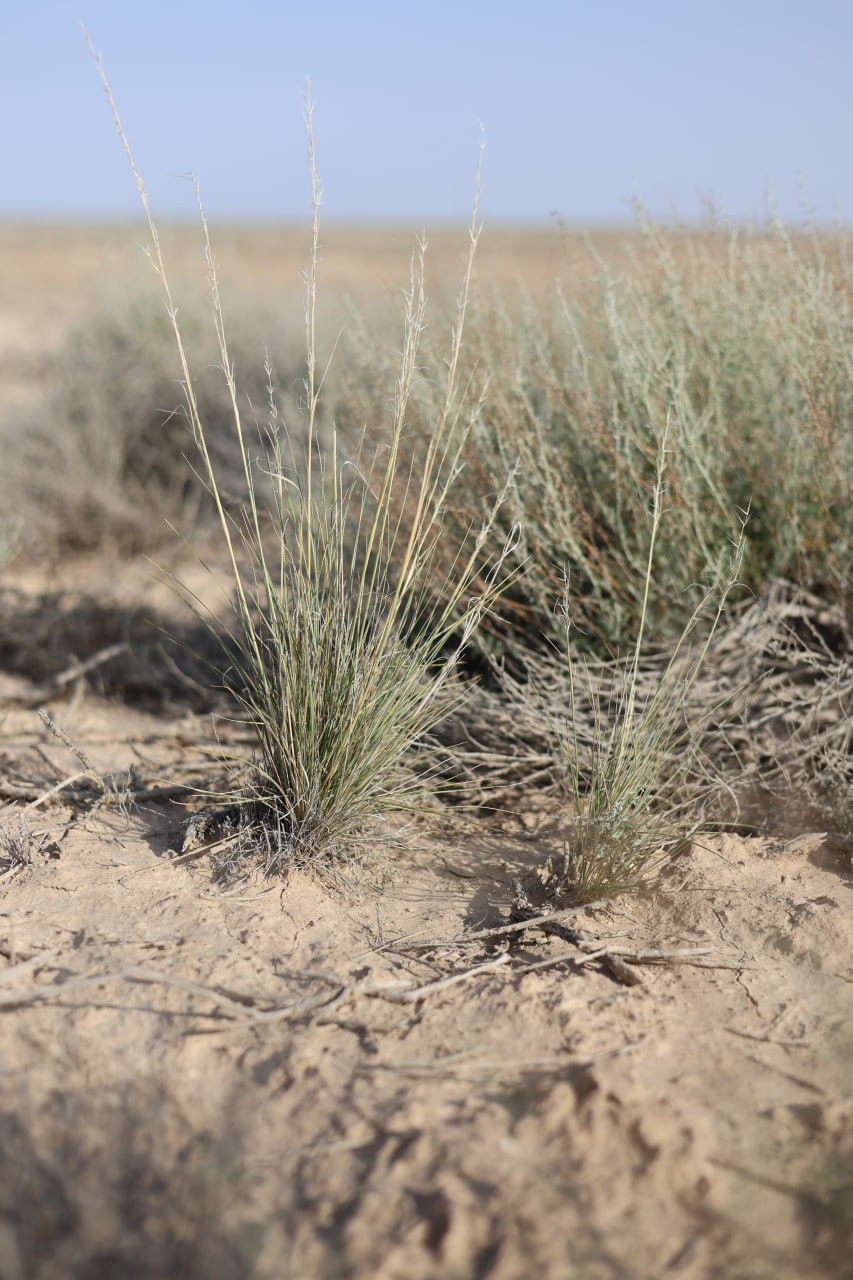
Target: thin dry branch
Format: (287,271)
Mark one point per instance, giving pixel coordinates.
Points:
(411,995)
(499,931)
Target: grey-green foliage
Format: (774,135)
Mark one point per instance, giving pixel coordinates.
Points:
(740,347)
(632,791)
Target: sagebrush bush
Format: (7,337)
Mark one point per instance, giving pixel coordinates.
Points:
(743,343)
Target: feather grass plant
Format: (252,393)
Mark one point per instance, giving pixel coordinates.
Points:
(341,652)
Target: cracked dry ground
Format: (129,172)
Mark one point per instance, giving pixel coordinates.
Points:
(261,1080)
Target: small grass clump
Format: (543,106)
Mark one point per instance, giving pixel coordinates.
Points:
(16,843)
(342,653)
(631,758)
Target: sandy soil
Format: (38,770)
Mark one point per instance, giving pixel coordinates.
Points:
(269,1078)
(279,1079)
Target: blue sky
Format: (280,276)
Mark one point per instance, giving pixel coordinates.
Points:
(581,103)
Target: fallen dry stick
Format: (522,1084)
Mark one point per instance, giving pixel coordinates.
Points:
(500,931)
(410,995)
(61,787)
(83,668)
(43,994)
(26,967)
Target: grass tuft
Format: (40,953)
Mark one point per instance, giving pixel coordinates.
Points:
(632,794)
(16,842)
(346,652)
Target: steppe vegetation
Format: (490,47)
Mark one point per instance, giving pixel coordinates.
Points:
(583,530)
(580,547)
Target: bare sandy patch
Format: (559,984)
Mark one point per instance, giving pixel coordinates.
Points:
(275,1078)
